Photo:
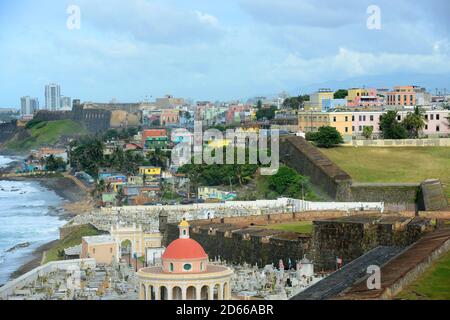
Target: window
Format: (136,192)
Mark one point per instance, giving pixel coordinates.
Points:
(426,127)
(353,118)
(426,117)
(346,129)
(437,117)
(371,118)
(171,267)
(438,129)
(431,116)
(184,232)
(346,119)
(201,266)
(187,267)
(360,128)
(360,118)
(334,119)
(399,118)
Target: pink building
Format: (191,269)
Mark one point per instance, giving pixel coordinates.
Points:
(437,124)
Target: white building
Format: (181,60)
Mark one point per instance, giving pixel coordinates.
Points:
(28,105)
(52,97)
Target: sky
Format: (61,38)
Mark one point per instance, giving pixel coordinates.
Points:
(218,50)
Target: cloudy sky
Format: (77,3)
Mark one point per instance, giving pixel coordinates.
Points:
(204,49)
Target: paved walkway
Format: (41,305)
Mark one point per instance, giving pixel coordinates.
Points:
(400,266)
(348,274)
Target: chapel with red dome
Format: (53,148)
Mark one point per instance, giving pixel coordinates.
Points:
(185,273)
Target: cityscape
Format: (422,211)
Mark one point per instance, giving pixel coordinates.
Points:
(336,190)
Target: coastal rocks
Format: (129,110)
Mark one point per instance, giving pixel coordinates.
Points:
(19,246)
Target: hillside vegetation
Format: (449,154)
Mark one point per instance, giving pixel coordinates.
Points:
(45,133)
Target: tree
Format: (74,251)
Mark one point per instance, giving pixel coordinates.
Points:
(328,137)
(54,164)
(158,158)
(266,113)
(86,155)
(367,132)
(295,103)
(259,105)
(414,122)
(120,197)
(341,94)
(390,127)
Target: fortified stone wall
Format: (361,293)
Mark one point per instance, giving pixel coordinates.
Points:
(7,130)
(299,154)
(397,197)
(240,240)
(248,245)
(348,238)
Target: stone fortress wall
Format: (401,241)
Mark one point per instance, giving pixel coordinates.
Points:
(301,155)
(152,217)
(336,234)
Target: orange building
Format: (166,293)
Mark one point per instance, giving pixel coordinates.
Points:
(405,96)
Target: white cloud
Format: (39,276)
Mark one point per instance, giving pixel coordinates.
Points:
(151,21)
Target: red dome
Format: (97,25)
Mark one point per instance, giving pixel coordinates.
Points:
(181,249)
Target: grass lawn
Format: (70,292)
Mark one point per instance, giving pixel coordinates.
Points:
(299,226)
(402,164)
(46,133)
(73,239)
(434,284)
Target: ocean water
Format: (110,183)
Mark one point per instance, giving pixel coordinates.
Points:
(28,214)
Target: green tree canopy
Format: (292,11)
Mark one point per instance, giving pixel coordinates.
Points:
(341,94)
(414,122)
(326,137)
(390,127)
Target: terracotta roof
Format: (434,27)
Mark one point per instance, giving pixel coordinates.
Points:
(182,249)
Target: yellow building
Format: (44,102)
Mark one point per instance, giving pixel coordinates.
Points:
(219,143)
(312,121)
(150,171)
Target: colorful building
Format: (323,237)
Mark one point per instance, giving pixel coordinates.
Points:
(154,139)
(312,121)
(150,171)
(211,194)
(101,248)
(185,273)
(363,97)
(169,117)
(315,102)
(408,96)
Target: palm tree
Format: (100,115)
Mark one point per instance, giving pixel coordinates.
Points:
(120,197)
(415,122)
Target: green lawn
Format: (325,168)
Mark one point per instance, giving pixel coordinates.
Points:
(408,164)
(299,226)
(434,284)
(73,239)
(46,133)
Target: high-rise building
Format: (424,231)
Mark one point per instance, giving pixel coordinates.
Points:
(66,103)
(28,105)
(52,97)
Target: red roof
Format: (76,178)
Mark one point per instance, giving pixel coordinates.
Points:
(181,249)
